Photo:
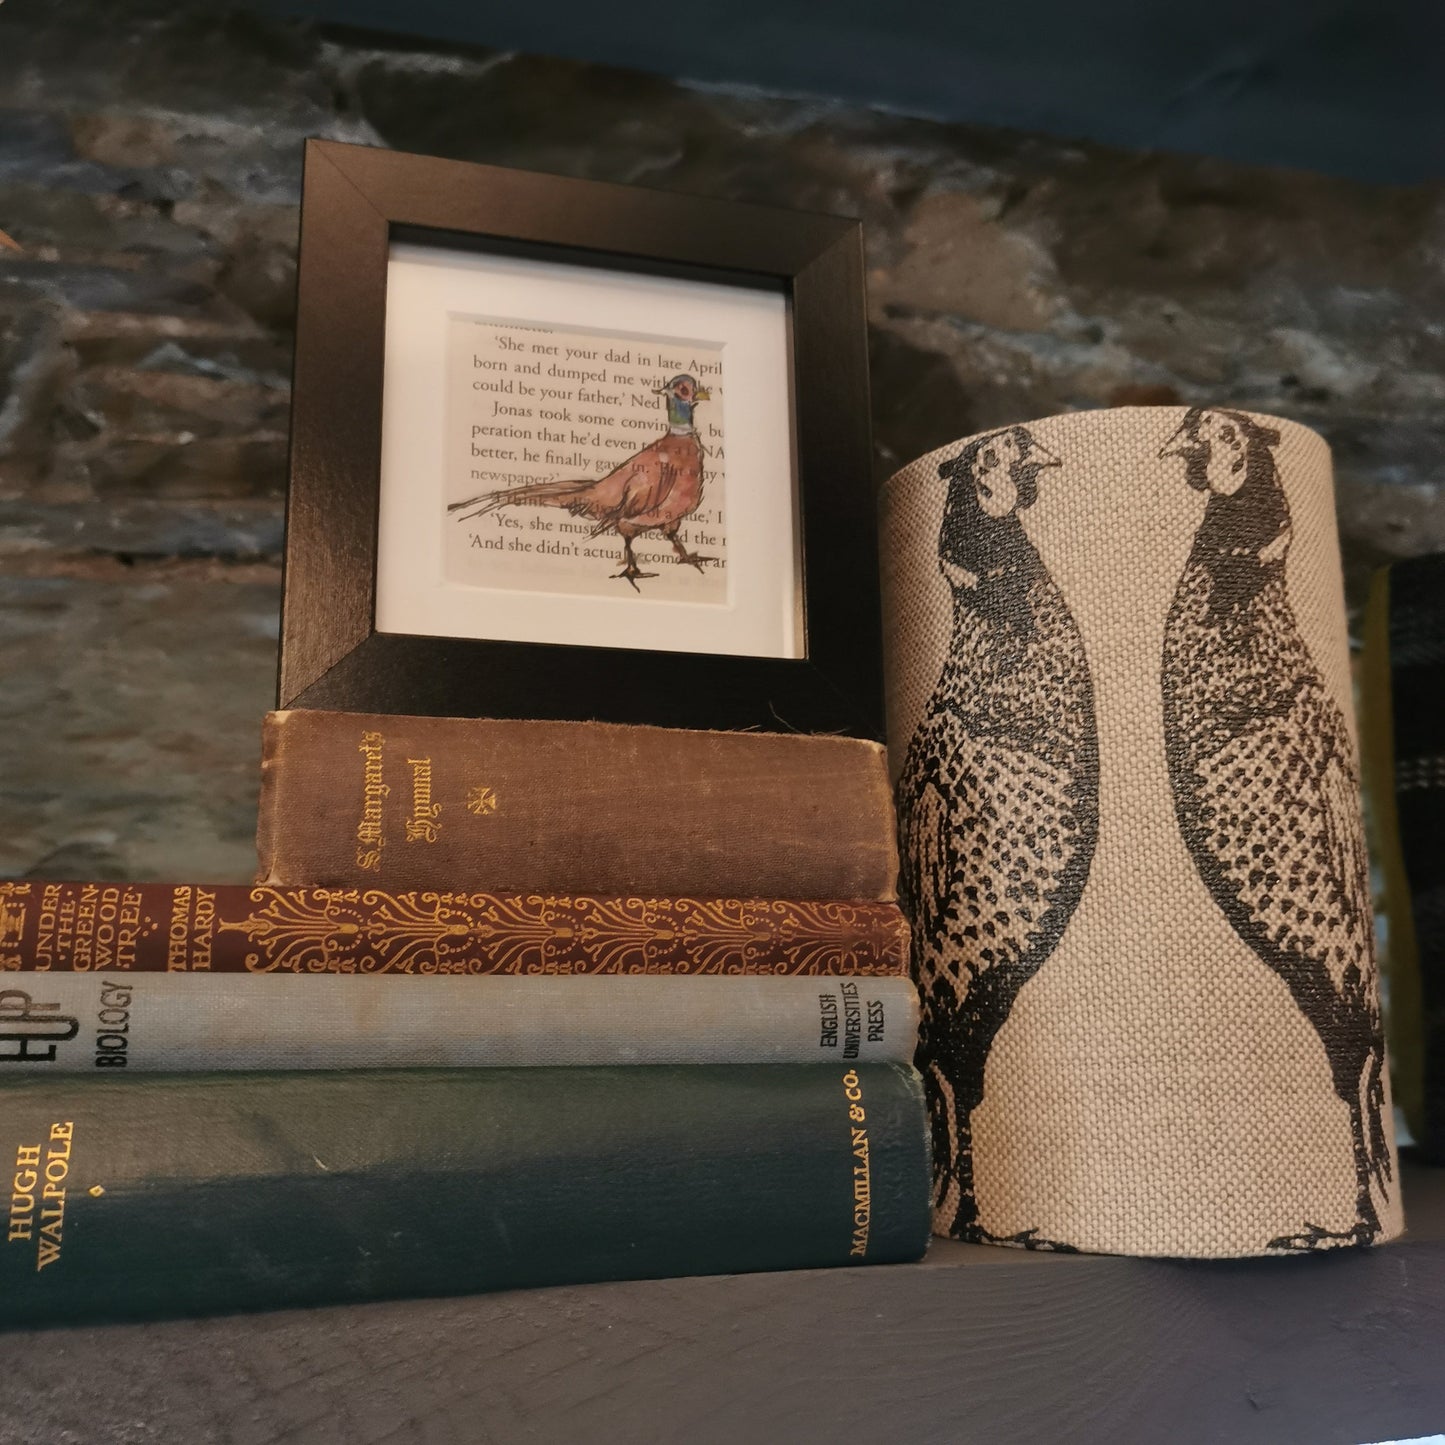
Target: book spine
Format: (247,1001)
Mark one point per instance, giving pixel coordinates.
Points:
(83,927)
(411,802)
(182,1194)
(1402,695)
(83,1022)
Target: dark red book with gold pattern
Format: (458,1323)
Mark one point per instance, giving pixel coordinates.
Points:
(78,927)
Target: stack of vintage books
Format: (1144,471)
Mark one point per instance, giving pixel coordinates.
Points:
(514,1002)
(511,1003)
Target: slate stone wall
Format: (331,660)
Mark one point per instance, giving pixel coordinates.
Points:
(149,172)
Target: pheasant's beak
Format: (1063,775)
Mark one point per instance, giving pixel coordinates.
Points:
(703,394)
(1042,457)
(1182,444)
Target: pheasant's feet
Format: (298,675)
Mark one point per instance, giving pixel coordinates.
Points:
(1025,1238)
(632,572)
(693,559)
(1316,1236)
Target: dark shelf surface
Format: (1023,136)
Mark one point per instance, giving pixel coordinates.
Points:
(973,1344)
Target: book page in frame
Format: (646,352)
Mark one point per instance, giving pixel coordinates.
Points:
(552,459)
(581,462)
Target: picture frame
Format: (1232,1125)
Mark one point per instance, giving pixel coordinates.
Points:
(403,594)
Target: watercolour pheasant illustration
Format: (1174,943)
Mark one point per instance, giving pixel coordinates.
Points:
(1266,791)
(654,490)
(998,798)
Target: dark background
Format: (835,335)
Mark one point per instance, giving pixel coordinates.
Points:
(1148,249)
(1352,88)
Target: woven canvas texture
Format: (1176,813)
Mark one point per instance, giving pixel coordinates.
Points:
(1126,770)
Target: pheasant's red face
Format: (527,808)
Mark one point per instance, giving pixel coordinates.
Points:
(685,390)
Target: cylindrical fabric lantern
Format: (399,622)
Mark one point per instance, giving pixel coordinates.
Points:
(1128,791)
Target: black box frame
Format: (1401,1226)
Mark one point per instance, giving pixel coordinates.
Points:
(356,201)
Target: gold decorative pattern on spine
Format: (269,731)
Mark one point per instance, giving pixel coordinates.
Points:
(324,930)
(13,899)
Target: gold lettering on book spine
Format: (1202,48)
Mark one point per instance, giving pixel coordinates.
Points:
(862,1200)
(322,930)
(370,839)
(423,825)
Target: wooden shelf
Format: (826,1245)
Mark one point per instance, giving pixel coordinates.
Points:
(973,1344)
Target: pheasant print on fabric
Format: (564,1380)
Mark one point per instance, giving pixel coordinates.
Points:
(655,490)
(1265,783)
(998,798)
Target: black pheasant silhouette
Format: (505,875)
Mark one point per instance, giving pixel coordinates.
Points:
(997,800)
(1264,778)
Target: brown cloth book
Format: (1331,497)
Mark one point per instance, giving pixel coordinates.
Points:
(417,802)
(231,928)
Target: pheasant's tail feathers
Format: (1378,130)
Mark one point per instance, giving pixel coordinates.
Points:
(537,494)
(1382,1166)
(558,494)
(951,1146)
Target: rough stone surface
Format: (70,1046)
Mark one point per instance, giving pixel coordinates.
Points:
(136,699)
(150,169)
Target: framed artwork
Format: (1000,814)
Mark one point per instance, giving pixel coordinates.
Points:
(575,450)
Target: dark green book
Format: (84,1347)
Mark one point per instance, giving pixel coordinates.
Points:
(198,1194)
